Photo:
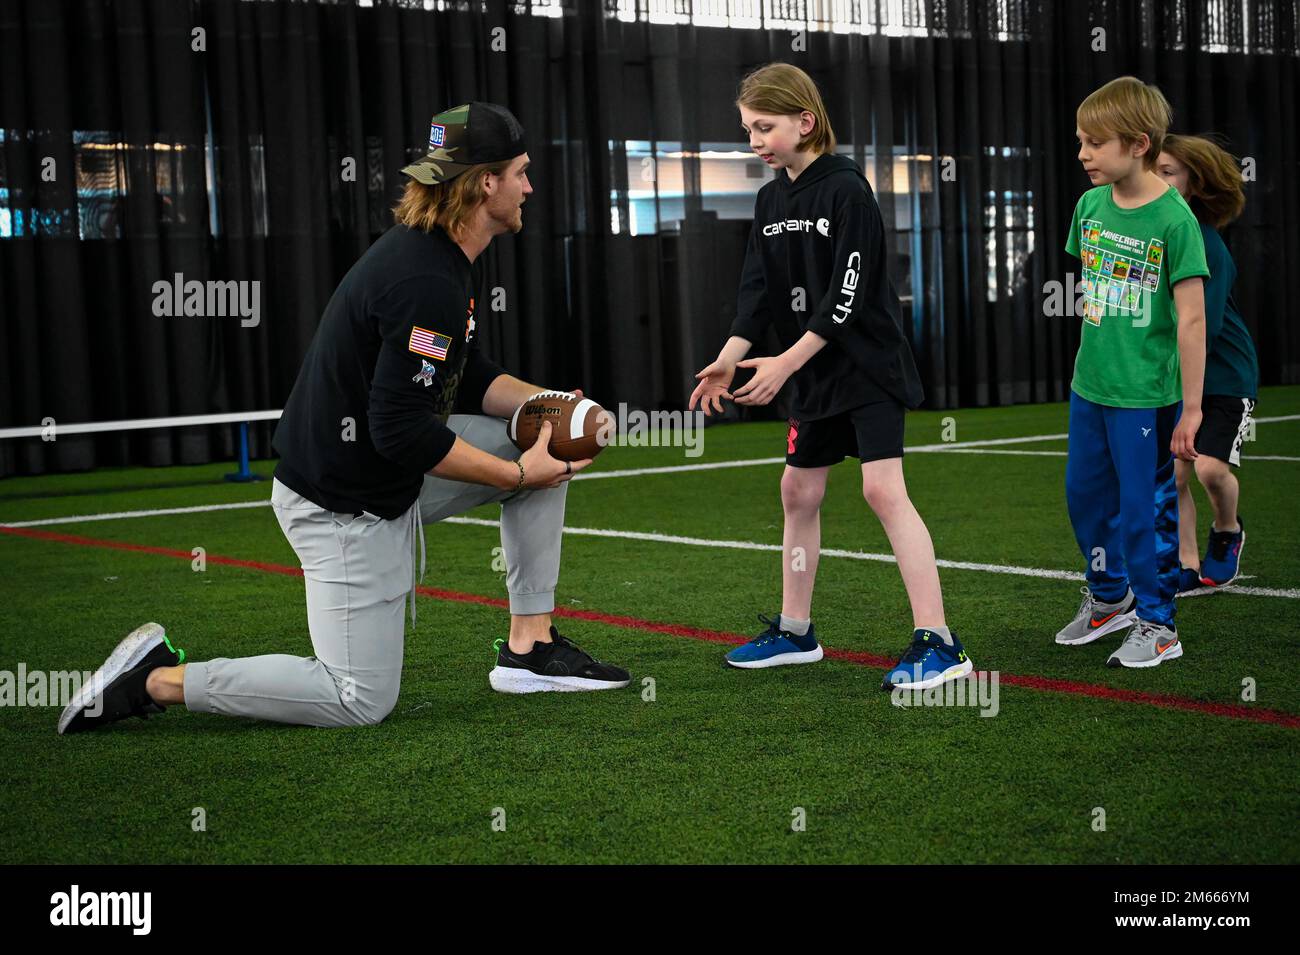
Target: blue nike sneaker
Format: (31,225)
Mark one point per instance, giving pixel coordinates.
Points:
(1222,560)
(928,662)
(1188,579)
(775,647)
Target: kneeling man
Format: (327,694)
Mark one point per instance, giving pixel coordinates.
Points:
(371,446)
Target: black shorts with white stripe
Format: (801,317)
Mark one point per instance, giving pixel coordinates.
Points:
(1225,424)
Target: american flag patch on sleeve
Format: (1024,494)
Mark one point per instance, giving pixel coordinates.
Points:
(425,342)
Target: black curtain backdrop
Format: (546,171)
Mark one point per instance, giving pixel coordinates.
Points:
(227,163)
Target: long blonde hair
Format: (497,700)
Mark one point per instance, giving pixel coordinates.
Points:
(1214,188)
(779,89)
(446,204)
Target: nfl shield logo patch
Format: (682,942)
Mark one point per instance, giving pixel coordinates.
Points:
(426,374)
(437,135)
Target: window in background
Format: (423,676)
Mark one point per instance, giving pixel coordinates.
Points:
(1008,218)
(1006,19)
(1227,26)
(730,177)
(104,168)
(102,165)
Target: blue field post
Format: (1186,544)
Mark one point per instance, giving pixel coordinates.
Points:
(243,474)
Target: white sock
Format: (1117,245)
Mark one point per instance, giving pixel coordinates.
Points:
(941,631)
(798,627)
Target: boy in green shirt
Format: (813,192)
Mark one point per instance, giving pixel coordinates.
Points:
(1142,349)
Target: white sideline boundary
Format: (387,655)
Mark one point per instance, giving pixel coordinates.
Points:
(982,446)
(127,515)
(1062,454)
(967,447)
(1039,572)
(651,537)
(140,424)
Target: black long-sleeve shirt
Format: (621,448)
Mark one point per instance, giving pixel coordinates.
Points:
(823,234)
(395,354)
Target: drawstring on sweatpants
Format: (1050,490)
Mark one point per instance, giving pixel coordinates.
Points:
(417,528)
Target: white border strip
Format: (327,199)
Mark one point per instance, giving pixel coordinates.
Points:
(969,447)
(1040,572)
(127,515)
(983,446)
(1062,454)
(674,468)
(650,537)
(136,424)
(232,417)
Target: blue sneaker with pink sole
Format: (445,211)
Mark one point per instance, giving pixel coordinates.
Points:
(1222,561)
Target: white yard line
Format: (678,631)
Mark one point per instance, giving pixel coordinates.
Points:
(756,462)
(651,537)
(1037,454)
(1041,572)
(962,447)
(965,447)
(125,515)
(1062,454)
(674,468)
(983,446)
(986,443)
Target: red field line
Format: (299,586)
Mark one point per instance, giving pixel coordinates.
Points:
(1028,681)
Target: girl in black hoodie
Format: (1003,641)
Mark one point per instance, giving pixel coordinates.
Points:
(815,269)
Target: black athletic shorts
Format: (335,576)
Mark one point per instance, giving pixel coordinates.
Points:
(871,432)
(1225,423)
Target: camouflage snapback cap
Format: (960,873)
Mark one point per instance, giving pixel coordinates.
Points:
(465,136)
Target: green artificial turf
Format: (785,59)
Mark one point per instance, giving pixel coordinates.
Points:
(715,767)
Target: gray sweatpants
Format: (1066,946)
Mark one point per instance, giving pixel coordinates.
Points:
(359,572)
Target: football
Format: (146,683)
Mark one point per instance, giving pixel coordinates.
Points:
(576,425)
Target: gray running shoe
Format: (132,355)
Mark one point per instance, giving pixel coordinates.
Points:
(1096,619)
(1147,645)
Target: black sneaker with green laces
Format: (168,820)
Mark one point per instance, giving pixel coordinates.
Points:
(117,689)
(560,665)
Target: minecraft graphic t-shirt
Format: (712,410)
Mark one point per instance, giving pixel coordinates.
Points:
(1132,258)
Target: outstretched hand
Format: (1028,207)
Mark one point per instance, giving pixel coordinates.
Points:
(714,382)
(769,375)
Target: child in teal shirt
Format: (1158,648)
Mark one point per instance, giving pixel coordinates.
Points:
(1210,180)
